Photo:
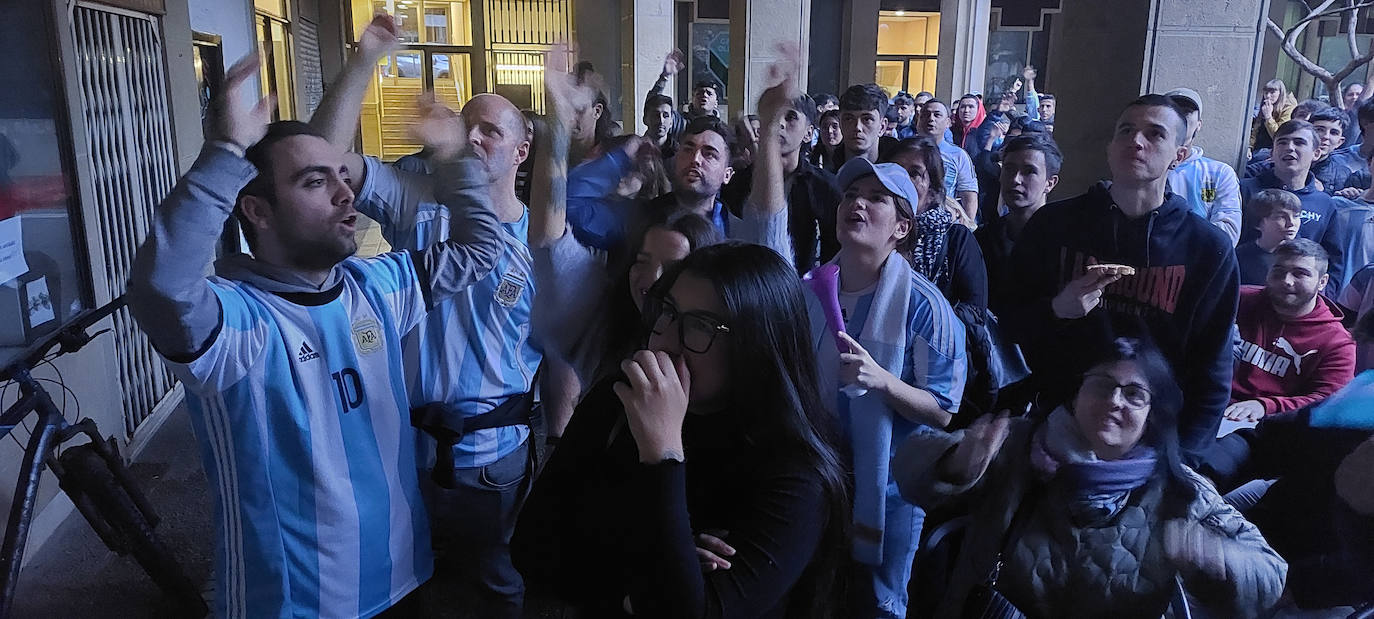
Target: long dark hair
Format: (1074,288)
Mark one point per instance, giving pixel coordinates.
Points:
(626,330)
(1166,400)
(775,386)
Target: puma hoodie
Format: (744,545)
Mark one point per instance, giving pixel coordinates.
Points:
(1288,364)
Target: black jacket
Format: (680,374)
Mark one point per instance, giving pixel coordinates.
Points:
(813,195)
(1329,547)
(1184,295)
(599,525)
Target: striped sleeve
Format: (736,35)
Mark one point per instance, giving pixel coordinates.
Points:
(394,278)
(936,360)
(234,350)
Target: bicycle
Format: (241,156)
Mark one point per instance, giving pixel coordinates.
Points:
(92,474)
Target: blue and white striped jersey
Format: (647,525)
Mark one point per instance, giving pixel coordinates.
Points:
(474,349)
(301,411)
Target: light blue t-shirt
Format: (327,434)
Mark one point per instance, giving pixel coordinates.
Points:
(301,411)
(935,344)
(958,170)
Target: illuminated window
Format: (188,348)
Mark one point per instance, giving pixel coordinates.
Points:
(274,44)
(908,43)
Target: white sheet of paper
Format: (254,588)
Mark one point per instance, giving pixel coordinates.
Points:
(12,262)
(1228,426)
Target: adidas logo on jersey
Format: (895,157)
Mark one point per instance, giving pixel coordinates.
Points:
(306,353)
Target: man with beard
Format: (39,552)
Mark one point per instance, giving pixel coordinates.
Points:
(1293,350)
(699,169)
(660,120)
(292,357)
(471,362)
(960,181)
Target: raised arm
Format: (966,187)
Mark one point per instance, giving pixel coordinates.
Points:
(672,64)
(460,184)
(549,187)
(168,293)
(337,115)
(765,212)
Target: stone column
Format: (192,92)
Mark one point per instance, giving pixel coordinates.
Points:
(598,42)
(859,44)
(1217,51)
(1097,50)
(646,28)
(756,28)
(963,47)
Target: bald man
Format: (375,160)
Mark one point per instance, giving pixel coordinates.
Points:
(470,366)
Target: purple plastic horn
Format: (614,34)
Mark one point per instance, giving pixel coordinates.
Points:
(824,282)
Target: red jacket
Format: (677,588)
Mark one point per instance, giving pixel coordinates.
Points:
(1287,365)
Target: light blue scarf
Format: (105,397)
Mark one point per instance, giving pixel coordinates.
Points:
(884,336)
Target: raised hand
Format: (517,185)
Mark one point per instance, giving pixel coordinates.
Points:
(1081,295)
(655,397)
(440,129)
(379,37)
(238,121)
(781,78)
(980,445)
(673,63)
(566,96)
(1028,73)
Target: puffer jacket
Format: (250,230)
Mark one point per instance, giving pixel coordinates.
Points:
(1112,568)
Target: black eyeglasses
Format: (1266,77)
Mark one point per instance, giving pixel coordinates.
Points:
(1104,386)
(696,331)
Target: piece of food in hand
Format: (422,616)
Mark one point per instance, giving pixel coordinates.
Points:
(1111,269)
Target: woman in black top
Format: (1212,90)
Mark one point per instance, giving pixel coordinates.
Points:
(945,251)
(716,429)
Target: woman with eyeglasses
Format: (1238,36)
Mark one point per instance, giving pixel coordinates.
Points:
(714,434)
(1091,513)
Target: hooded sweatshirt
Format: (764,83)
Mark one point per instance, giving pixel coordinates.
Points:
(963,134)
(1349,241)
(1211,189)
(1288,364)
(1343,168)
(1183,296)
(1316,205)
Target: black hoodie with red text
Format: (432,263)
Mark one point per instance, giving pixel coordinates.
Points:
(1183,295)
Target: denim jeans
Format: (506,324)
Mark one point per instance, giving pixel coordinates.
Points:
(882,589)
(472,526)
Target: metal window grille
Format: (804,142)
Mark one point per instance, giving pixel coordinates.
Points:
(133,166)
(528,22)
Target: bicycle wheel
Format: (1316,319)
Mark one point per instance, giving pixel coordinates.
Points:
(91,475)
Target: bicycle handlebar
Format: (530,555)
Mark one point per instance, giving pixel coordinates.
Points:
(72,337)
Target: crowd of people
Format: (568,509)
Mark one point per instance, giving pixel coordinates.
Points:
(839,358)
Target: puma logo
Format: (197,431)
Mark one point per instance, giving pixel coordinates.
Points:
(1282,344)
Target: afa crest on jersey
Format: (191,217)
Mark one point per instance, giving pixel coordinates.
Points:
(508,292)
(1209,191)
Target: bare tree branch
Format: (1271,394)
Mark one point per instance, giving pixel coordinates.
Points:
(1351,20)
(1330,80)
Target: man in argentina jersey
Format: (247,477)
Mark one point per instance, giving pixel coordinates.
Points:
(293,361)
(474,351)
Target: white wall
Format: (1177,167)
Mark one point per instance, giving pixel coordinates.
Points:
(232,20)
